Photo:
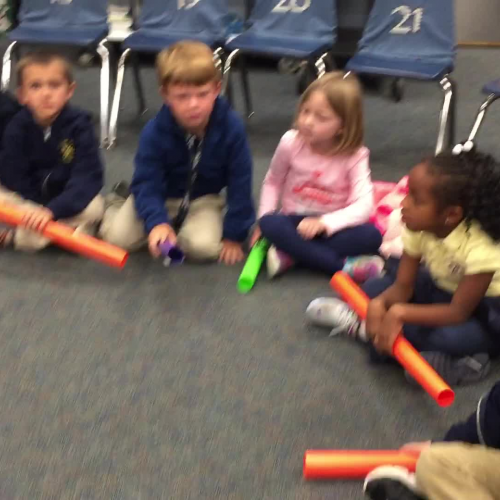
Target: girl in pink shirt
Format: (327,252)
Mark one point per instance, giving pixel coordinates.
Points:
(321,176)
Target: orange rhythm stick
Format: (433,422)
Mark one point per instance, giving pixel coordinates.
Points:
(402,350)
(70,239)
(353,464)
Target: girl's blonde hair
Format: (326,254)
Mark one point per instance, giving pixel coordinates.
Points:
(343,93)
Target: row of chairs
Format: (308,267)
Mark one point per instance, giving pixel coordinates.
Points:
(415,40)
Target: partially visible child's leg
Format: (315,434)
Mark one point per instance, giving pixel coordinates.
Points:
(121,226)
(87,221)
(458,471)
(200,235)
(322,254)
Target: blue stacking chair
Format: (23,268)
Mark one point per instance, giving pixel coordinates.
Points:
(415,40)
(77,23)
(162,23)
(299,29)
(492,89)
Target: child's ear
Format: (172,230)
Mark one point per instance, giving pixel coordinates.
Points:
(218,87)
(454,215)
(71,90)
(20,96)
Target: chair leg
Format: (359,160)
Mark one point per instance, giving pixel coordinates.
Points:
(446,134)
(246,88)
(139,89)
(481,114)
(7,66)
(103,52)
(321,65)
(226,74)
(218,58)
(115,108)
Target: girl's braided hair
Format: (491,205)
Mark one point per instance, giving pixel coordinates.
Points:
(472,181)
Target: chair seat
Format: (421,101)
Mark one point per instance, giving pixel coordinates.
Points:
(492,88)
(155,41)
(281,46)
(403,68)
(81,37)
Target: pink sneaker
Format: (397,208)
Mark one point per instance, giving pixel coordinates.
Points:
(278,262)
(364,267)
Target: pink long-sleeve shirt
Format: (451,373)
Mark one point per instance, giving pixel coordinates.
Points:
(337,188)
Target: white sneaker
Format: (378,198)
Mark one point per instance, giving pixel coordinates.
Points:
(335,314)
(277,262)
(391,483)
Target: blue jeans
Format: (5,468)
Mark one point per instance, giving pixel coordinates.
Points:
(479,334)
(325,254)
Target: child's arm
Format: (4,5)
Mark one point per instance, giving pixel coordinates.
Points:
(149,184)
(14,165)
(274,181)
(469,293)
(87,175)
(400,291)
(360,203)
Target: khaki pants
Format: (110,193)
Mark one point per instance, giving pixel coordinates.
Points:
(31,241)
(199,237)
(459,471)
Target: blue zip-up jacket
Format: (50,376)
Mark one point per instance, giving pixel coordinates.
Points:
(162,169)
(483,426)
(64,173)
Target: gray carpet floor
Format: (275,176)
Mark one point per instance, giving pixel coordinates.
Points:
(155,383)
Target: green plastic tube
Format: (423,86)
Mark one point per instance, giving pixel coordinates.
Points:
(248,276)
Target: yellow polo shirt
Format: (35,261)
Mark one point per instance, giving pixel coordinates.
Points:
(461,253)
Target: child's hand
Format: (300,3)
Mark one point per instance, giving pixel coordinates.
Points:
(231,253)
(36,219)
(310,227)
(375,317)
(390,328)
(416,447)
(257,234)
(158,235)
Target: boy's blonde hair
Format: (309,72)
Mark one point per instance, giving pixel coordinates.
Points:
(187,62)
(43,58)
(344,95)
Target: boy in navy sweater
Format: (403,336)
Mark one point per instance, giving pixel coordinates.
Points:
(466,466)
(195,147)
(50,164)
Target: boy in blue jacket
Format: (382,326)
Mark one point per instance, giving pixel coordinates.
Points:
(466,466)
(195,147)
(50,164)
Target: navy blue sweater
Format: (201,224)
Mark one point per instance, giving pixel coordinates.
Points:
(162,169)
(64,172)
(483,426)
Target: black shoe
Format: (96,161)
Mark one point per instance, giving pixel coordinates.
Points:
(457,371)
(391,483)
(121,189)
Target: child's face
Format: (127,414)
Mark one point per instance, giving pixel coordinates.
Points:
(45,90)
(191,104)
(419,208)
(317,122)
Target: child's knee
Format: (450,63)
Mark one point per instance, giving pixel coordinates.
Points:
(119,235)
(433,461)
(268,225)
(94,211)
(199,246)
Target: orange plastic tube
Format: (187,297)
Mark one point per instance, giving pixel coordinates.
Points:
(70,239)
(403,351)
(353,464)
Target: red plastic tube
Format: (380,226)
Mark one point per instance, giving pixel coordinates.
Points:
(353,464)
(403,351)
(70,239)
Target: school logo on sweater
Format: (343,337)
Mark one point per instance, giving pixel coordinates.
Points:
(67,148)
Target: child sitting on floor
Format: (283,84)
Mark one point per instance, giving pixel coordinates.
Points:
(320,172)
(446,293)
